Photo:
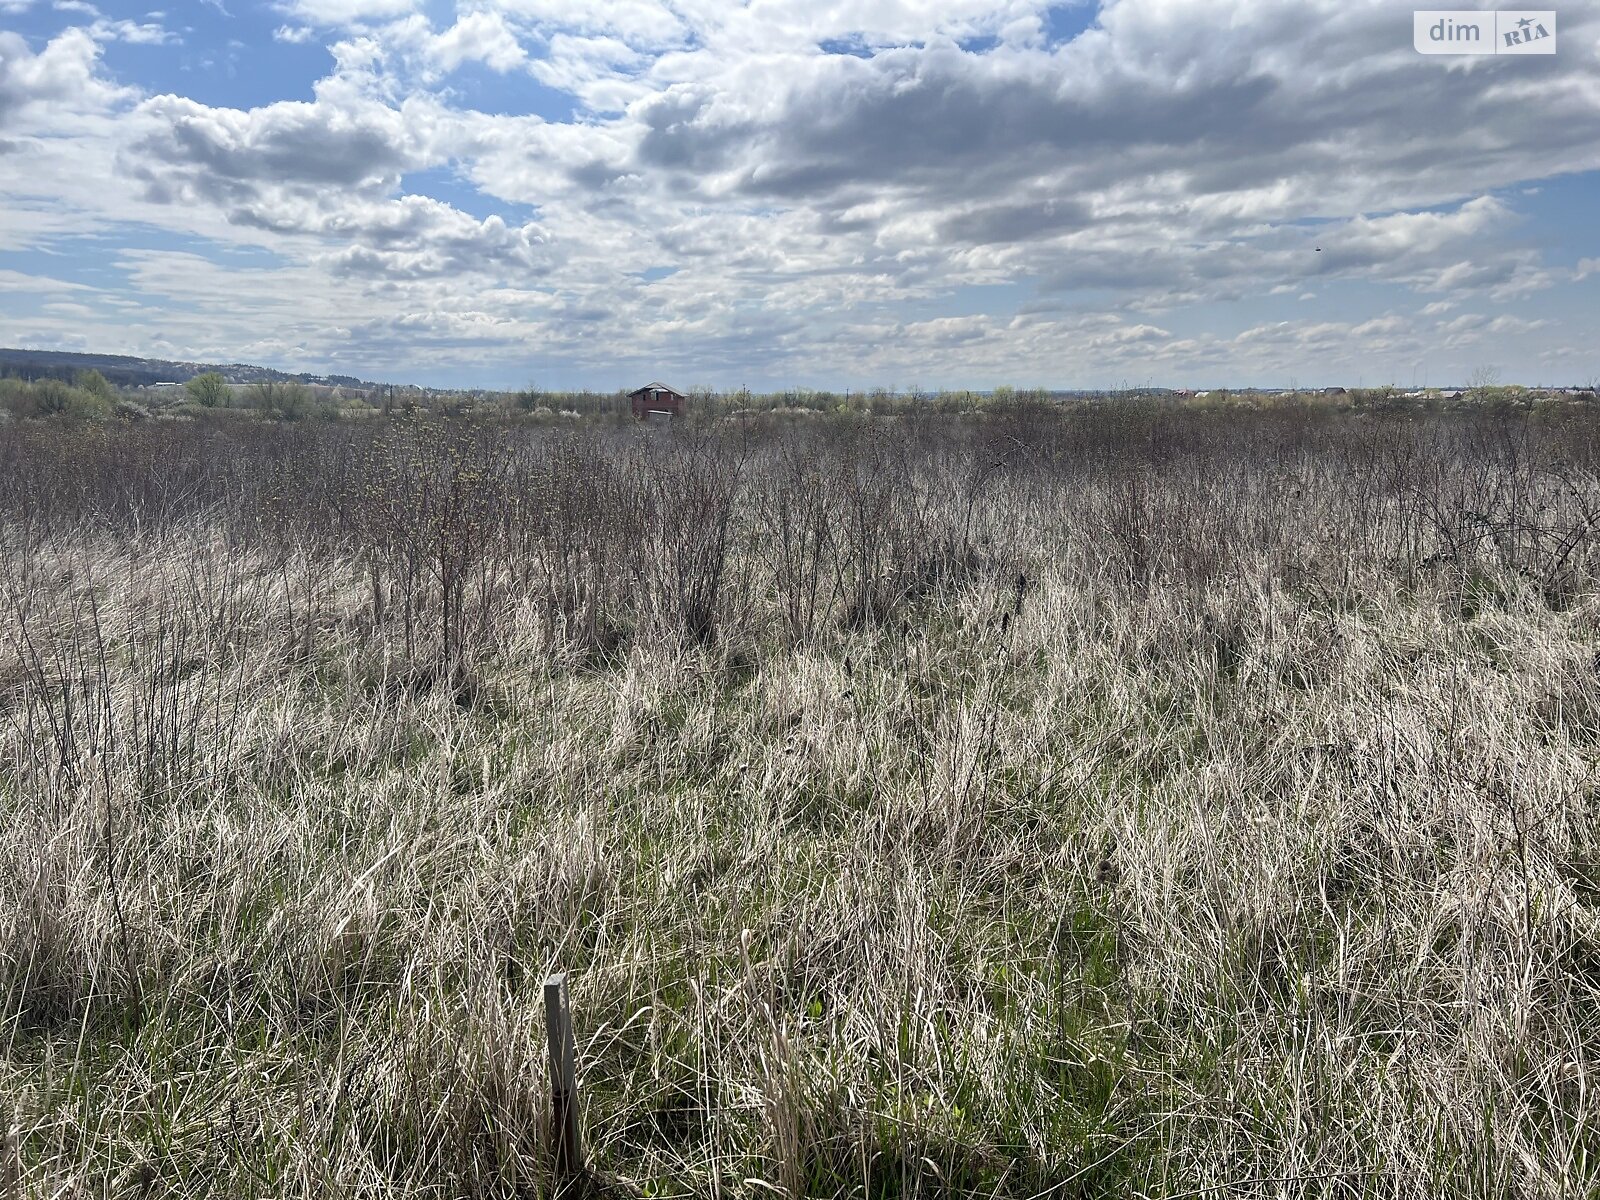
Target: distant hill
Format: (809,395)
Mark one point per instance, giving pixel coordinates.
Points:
(126,371)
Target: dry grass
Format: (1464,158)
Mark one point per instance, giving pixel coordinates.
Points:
(1097,806)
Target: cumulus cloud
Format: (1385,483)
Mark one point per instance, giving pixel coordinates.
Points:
(197,152)
(60,80)
(346,12)
(1184,117)
(481,37)
(783,26)
(814,172)
(419,238)
(638,22)
(1147,153)
(135,33)
(329,171)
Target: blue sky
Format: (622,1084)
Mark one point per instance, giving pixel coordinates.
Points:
(788,193)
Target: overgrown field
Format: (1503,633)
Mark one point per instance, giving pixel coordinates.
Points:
(1095,802)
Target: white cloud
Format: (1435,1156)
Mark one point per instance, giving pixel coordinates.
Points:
(192,151)
(1166,159)
(346,12)
(415,237)
(55,85)
(17,281)
(133,32)
(477,37)
(294,35)
(638,22)
(1508,324)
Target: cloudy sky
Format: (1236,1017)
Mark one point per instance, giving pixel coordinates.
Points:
(821,193)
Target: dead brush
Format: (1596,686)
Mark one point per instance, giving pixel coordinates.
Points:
(1120,800)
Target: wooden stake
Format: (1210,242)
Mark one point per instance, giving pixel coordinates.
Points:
(564,1138)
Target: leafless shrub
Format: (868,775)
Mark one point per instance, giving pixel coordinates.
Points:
(794,508)
(1114,799)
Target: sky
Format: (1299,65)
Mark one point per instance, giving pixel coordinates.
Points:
(800,193)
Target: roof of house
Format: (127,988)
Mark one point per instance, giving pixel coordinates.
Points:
(655,387)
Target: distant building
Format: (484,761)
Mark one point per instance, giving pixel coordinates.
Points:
(656,401)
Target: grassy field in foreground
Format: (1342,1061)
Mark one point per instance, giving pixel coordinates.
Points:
(1109,802)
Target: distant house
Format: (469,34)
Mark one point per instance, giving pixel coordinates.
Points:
(656,401)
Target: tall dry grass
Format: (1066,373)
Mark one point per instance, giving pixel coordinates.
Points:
(1101,802)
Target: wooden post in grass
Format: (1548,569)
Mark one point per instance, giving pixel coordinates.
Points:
(564,1141)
